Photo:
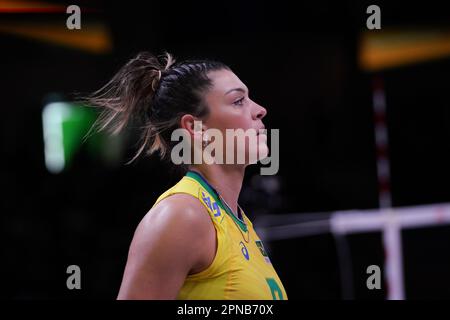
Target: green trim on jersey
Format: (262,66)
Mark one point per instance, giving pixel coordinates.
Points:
(197,177)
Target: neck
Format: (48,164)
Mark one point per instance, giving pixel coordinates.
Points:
(227,180)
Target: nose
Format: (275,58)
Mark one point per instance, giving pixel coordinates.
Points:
(260,112)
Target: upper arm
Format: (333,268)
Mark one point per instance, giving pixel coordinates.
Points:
(167,244)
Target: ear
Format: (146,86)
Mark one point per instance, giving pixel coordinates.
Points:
(193,125)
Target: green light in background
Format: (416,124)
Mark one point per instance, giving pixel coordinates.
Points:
(64,126)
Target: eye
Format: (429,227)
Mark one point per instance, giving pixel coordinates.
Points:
(239,102)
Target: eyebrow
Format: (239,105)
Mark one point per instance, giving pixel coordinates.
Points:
(236,89)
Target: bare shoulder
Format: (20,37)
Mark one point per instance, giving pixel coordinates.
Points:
(175,238)
(179,211)
(179,222)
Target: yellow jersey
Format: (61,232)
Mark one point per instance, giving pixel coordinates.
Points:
(241,269)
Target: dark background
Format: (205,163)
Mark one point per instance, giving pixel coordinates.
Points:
(299,60)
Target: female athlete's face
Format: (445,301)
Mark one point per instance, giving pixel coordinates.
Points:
(237,117)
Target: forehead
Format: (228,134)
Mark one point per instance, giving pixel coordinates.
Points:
(225,80)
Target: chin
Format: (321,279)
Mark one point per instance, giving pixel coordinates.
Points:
(263,151)
(258,152)
(263,148)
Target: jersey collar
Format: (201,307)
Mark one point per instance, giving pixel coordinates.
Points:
(204,183)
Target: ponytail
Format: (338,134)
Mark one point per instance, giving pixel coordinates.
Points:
(128,97)
(155,92)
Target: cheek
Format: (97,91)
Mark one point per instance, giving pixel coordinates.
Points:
(236,121)
(229,117)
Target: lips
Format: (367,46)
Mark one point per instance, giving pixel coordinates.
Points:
(260,131)
(262,137)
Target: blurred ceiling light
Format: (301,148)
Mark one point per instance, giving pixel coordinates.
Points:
(391,48)
(93,37)
(30,7)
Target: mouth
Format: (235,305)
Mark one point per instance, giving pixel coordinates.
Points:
(260,130)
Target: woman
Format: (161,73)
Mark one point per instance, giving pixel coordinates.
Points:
(195,242)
